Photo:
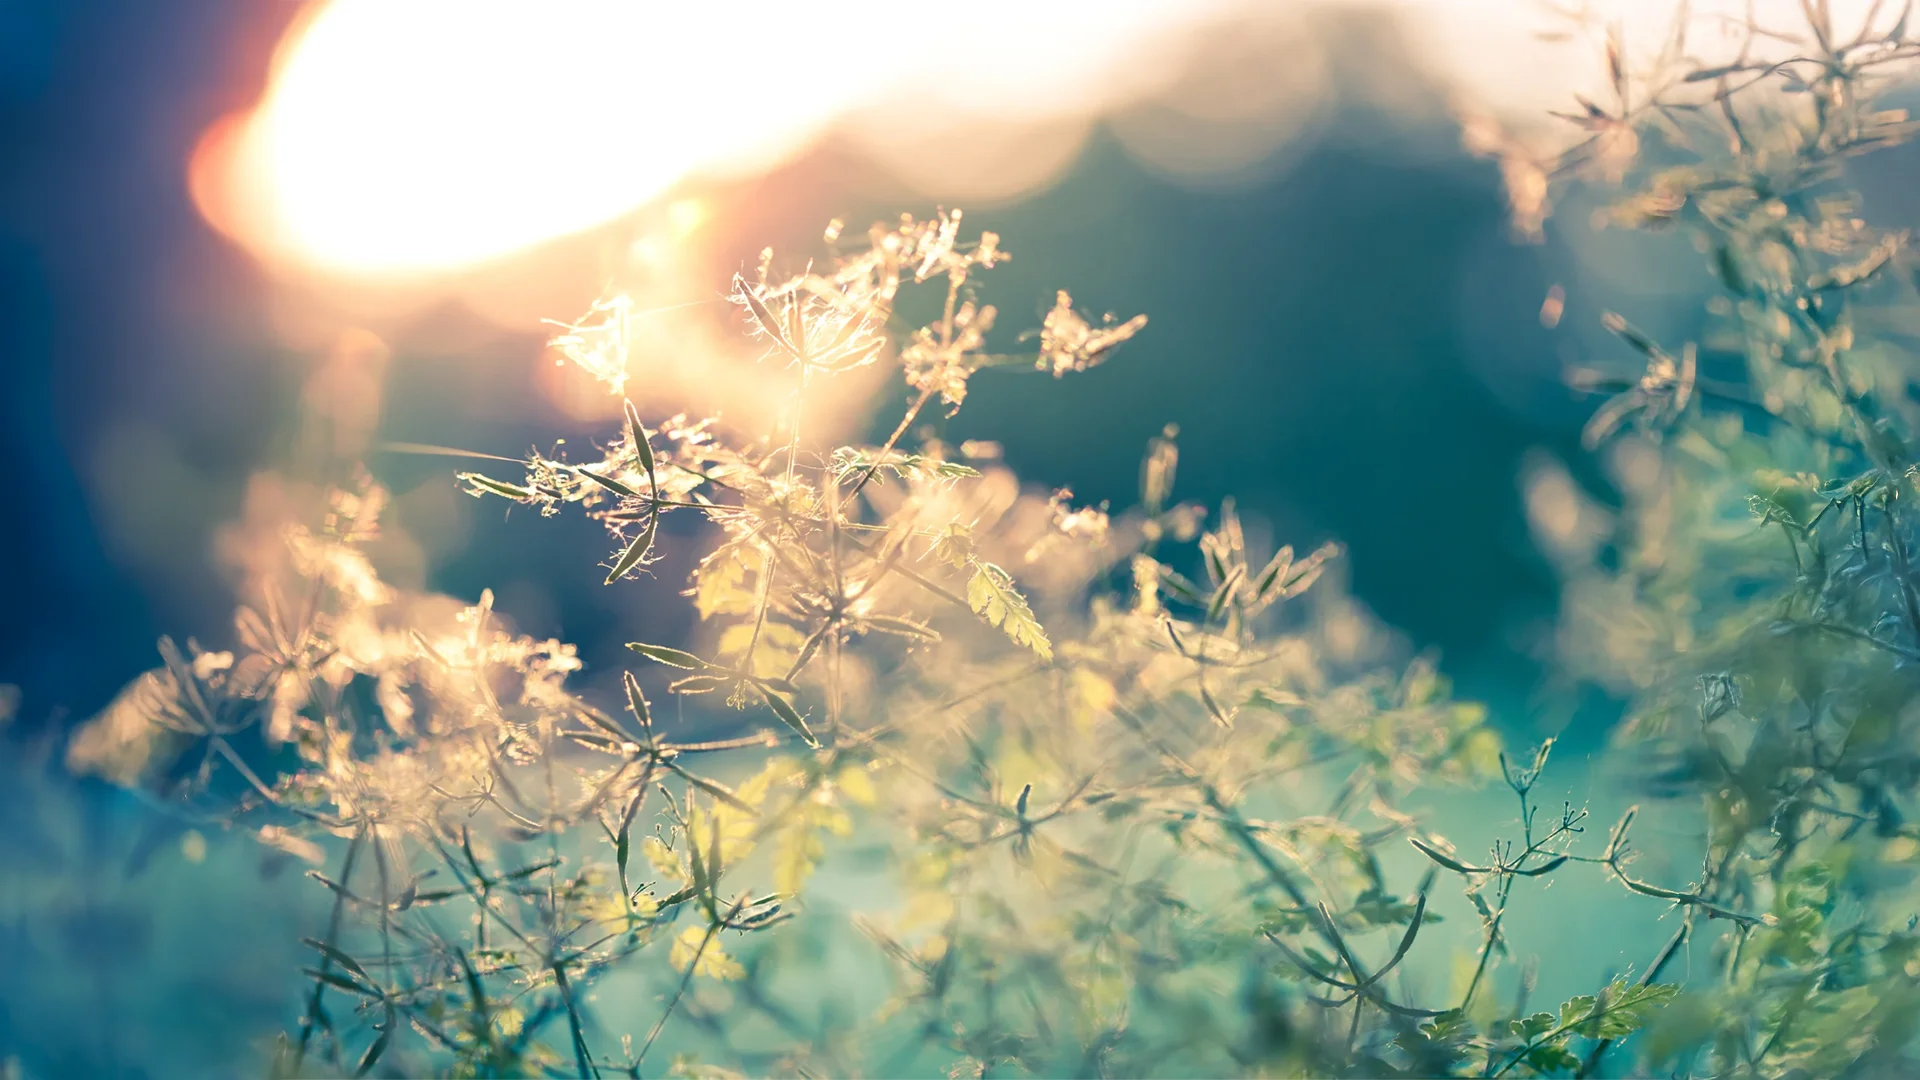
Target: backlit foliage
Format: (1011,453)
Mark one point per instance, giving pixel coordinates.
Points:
(1138,787)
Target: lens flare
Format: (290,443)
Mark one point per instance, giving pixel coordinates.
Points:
(409,139)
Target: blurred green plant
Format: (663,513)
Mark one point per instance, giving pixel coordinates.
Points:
(1138,790)
(1754,596)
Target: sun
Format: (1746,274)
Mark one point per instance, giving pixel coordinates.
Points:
(413,138)
(409,139)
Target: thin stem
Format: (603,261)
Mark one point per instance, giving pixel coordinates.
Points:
(332,939)
(892,440)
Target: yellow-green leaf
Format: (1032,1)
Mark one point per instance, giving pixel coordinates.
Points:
(991,594)
(697,949)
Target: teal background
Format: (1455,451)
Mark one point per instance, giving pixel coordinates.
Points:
(1349,344)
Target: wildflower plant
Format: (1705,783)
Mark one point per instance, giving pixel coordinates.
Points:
(1140,788)
(1753,596)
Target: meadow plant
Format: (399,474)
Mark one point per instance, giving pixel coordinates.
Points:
(1753,597)
(1137,787)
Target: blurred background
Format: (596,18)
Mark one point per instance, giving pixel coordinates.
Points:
(218,211)
(217,216)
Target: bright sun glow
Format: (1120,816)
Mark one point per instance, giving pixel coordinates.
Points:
(416,137)
(411,138)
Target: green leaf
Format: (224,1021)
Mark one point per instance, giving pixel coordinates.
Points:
(1443,858)
(637,703)
(638,433)
(482,483)
(788,715)
(1628,1008)
(669,657)
(764,315)
(1448,1026)
(991,594)
(333,978)
(1552,1058)
(609,483)
(699,951)
(635,551)
(372,1056)
(1577,1011)
(336,956)
(1533,1026)
(1620,1010)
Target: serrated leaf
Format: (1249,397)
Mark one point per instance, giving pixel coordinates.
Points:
(1628,1008)
(991,594)
(1577,1010)
(699,951)
(1533,1026)
(954,547)
(664,862)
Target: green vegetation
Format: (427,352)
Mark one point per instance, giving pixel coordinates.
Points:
(1118,794)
